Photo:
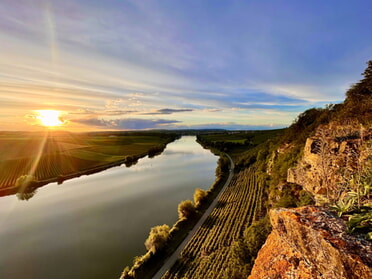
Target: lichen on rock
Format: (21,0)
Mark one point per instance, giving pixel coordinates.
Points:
(309,242)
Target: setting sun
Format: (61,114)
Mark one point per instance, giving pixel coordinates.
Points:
(50,118)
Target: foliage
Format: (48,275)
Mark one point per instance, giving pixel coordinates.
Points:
(157,238)
(239,261)
(292,195)
(255,235)
(237,142)
(145,266)
(361,222)
(305,198)
(355,199)
(345,204)
(199,196)
(25,180)
(127,274)
(26,185)
(358,102)
(186,209)
(66,155)
(218,249)
(226,244)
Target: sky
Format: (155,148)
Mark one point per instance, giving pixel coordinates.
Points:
(167,64)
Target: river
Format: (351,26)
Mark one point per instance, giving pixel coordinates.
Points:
(92,226)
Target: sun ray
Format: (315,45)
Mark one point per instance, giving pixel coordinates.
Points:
(35,163)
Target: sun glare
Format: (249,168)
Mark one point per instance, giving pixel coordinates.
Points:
(49,118)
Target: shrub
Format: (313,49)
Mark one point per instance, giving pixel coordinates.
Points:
(157,238)
(255,235)
(186,209)
(199,196)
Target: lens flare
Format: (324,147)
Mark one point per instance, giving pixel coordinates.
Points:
(49,118)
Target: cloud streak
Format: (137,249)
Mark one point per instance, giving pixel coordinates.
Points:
(167,111)
(126,123)
(197,61)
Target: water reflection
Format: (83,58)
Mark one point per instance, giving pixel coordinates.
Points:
(27,194)
(93,226)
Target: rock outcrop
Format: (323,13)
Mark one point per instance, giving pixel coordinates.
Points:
(309,242)
(331,157)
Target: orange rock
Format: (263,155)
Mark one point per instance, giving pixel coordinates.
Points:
(309,242)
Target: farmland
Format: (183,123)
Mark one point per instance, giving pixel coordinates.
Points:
(237,142)
(47,157)
(205,256)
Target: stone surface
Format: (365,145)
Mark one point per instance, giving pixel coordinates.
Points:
(309,242)
(331,157)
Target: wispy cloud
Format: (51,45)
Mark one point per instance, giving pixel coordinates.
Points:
(231,126)
(127,123)
(193,60)
(103,112)
(166,111)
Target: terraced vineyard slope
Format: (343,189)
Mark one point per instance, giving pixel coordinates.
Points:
(213,252)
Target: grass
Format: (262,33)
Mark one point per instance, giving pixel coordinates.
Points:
(236,143)
(55,155)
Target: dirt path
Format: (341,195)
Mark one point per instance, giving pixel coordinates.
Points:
(173,258)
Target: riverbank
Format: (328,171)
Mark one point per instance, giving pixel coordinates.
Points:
(102,218)
(155,264)
(67,156)
(33,185)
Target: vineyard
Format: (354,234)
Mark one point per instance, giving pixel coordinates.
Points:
(48,158)
(211,252)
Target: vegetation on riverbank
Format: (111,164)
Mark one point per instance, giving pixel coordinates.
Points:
(254,210)
(271,161)
(227,244)
(168,239)
(57,156)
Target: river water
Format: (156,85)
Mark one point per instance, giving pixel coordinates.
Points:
(93,226)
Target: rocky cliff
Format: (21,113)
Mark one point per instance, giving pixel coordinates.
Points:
(309,242)
(331,158)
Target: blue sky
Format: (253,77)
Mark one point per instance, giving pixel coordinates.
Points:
(122,64)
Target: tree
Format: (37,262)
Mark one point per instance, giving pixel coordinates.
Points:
(358,102)
(255,235)
(368,72)
(199,196)
(26,187)
(25,180)
(127,274)
(157,238)
(186,209)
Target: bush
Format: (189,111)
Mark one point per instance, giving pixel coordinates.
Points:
(186,209)
(25,180)
(305,198)
(157,238)
(255,235)
(199,196)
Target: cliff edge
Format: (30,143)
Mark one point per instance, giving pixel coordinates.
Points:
(309,242)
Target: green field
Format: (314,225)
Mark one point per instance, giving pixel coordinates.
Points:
(237,142)
(45,157)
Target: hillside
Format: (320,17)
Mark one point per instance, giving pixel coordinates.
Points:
(323,159)
(335,167)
